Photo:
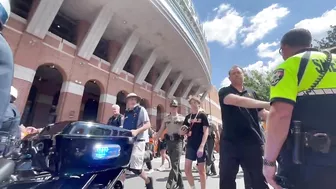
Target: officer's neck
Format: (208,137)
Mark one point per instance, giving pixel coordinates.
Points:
(239,87)
(174,113)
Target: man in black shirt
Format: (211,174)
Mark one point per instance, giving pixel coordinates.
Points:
(196,126)
(116,119)
(242,138)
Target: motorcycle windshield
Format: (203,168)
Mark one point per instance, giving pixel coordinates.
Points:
(95,129)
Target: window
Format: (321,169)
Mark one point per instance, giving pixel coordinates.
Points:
(127,66)
(21,7)
(64,27)
(102,49)
(149,76)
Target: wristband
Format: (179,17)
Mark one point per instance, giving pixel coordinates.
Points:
(269,163)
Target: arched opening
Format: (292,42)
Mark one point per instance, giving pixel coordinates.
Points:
(42,101)
(159,116)
(121,101)
(144,103)
(90,101)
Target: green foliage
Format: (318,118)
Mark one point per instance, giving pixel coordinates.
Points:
(329,41)
(260,82)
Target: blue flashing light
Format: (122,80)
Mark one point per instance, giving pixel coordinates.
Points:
(105,151)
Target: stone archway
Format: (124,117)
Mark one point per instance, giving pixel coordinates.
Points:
(144,103)
(121,101)
(90,102)
(42,102)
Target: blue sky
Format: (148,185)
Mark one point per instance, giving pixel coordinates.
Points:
(246,33)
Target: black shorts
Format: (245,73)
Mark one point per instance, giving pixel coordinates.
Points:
(163,145)
(191,154)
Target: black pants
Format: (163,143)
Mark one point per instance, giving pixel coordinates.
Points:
(210,159)
(249,156)
(149,165)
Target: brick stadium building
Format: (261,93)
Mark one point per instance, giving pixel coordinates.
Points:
(75,58)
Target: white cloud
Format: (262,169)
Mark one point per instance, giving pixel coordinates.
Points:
(226,82)
(269,52)
(319,26)
(262,23)
(225,26)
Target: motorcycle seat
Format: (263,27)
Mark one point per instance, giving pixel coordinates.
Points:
(7,168)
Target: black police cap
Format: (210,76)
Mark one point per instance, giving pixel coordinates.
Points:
(298,37)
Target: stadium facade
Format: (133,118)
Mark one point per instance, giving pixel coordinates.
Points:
(75,58)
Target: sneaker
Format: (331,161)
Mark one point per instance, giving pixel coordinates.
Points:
(150,171)
(161,168)
(150,184)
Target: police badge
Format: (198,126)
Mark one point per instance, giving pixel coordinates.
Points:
(277,76)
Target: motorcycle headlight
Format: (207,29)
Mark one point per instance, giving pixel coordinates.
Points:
(105,151)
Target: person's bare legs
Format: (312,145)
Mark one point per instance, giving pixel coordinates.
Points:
(188,172)
(144,176)
(122,177)
(163,156)
(202,174)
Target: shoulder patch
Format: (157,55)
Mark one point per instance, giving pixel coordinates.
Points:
(277,75)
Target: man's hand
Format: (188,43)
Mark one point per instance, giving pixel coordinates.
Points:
(134,133)
(269,173)
(184,130)
(200,152)
(266,105)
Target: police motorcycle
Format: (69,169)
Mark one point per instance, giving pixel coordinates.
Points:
(83,155)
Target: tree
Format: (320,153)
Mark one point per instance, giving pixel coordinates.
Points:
(260,82)
(329,41)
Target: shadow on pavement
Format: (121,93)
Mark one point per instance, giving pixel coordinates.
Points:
(164,179)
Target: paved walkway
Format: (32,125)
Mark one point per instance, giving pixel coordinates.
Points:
(160,178)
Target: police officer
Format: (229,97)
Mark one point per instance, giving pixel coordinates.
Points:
(213,133)
(303,94)
(173,123)
(6,61)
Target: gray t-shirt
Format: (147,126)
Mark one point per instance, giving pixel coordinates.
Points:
(143,119)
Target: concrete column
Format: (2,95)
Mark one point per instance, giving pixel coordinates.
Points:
(125,53)
(187,90)
(145,68)
(23,79)
(204,95)
(70,101)
(162,78)
(174,86)
(43,17)
(95,32)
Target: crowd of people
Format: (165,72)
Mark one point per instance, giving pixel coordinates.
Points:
(191,135)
